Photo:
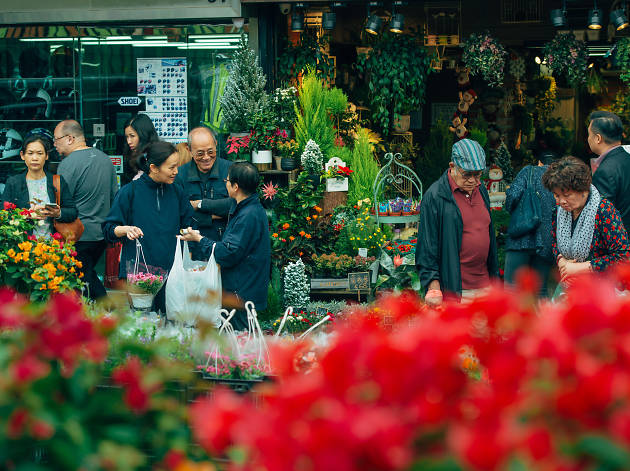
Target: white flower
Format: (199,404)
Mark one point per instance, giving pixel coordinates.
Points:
(41,222)
(299,318)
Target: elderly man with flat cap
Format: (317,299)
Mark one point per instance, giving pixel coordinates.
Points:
(456,254)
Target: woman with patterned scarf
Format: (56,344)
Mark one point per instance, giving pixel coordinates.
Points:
(587,231)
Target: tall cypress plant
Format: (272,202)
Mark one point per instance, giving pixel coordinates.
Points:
(245,97)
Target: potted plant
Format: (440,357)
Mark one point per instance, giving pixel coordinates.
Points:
(288,150)
(244,97)
(283,101)
(308,53)
(567,57)
(143,286)
(238,147)
(396,71)
(485,56)
(336,178)
(312,161)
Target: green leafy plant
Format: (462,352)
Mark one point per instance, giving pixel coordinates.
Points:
(622,58)
(485,56)
(396,70)
(308,54)
(543,90)
(567,57)
(313,121)
(365,168)
(312,158)
(399,273)
(283,102)
(436,153)
(244,97)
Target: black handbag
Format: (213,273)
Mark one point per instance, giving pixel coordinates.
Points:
(527,215)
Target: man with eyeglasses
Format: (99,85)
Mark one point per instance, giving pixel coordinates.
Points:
(456,254)
(203,181)
(91,178)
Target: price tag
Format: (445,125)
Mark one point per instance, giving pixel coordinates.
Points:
(363,252)
(359,280)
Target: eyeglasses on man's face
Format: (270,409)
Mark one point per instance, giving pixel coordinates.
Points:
(61,137)
(470,175)
(209,152)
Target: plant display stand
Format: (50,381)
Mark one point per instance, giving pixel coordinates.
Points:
(404,180)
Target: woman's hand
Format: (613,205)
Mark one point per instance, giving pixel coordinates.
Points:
(38,211)
(191,235)
(572,268)
(131,232)
(51,211)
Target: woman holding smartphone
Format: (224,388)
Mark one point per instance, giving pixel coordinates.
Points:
(34,189)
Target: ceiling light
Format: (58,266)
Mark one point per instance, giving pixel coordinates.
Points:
(558,18)
(396,25)
(297,21)
(619,19)
(329,18)
(595,18)
(374,24)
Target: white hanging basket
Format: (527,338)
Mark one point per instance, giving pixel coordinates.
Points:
(141,300)
(336,184)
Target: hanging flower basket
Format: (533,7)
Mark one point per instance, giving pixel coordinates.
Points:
(567,57)
(485,56)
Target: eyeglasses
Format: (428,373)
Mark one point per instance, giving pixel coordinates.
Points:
(210,153)
(470,175)
(225,180)
(61,137)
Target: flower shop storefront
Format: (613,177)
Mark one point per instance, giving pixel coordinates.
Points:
(103,65)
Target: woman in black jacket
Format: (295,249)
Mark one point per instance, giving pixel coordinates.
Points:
(139,133)
(34,189)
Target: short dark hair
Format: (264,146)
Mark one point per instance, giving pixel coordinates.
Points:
(245,174)
(608,125)
(156,153)
(147,134)
(547,157)
(36,138)
(568,173)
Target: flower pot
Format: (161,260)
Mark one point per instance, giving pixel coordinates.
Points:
(288,163)
(402,124)
(278,162)
(336,184)
(407,213)
(239,134)
(142,301)
(261,157)
(395,213)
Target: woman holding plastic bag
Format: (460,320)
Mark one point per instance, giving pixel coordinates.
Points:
(152,210)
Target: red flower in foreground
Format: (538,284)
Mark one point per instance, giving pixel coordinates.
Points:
(129,375)
(8,206)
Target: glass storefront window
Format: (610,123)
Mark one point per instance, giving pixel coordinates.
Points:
(57,72)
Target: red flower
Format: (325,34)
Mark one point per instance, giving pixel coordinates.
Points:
(26,212)
(136,394)
(17,422)
(57,236)
(41,430)
(29,368)
(8,205)
(31,237)
(345,171)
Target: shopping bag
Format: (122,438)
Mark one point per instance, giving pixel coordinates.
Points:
(193,288)
(143,281)
(112,264)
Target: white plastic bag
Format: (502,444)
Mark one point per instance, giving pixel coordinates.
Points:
(193,289)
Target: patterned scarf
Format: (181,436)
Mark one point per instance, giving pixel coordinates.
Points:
(578,246)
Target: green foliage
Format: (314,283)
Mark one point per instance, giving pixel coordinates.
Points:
(558,136)
(436,154)
(275,306)
(365,168)
(296,285)
(621,107)
(396,71)
(336,101)
(503,159)
(244,96)
(313,121)
(478,135)
(399,273)
(567,57)
(485,56)
(523,120)
(307,54)
(543,90)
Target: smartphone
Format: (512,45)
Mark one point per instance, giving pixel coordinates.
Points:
(52,206)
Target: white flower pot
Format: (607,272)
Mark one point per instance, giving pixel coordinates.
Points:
(261,157)
(336,184)
(141,300)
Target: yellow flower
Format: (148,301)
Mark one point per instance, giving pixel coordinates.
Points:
(275,235)
(11,253)
(26,246)
(318,209)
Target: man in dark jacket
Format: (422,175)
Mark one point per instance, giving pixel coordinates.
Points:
(611,170)
(203,182)
(456,254)
(244,252)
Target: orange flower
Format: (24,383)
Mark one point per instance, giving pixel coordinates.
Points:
(25,246)
(308,236)
(301,253)
(291,238)
(308,218)
(318,209)
(398,261)
(11,253)
(285,226)
(315,216)
(302,233)
(275,235)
